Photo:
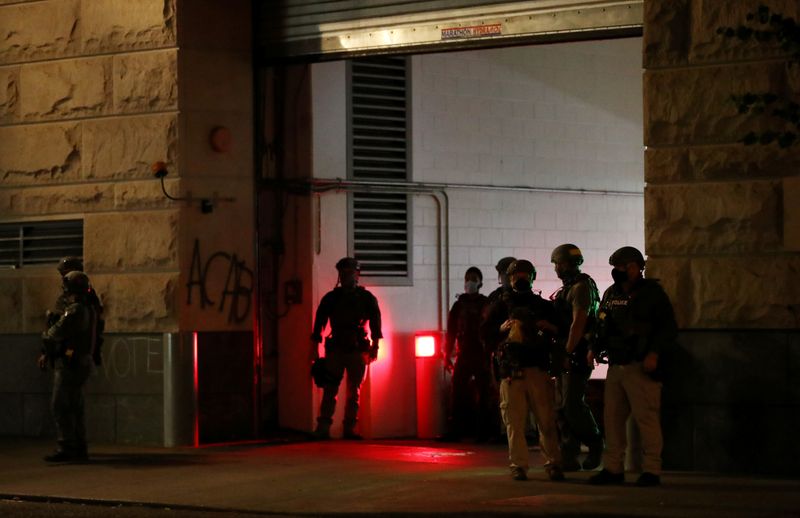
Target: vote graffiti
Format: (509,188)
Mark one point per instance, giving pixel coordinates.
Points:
(133,356)
(238,285)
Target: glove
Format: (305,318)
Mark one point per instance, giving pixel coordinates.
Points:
(373,352)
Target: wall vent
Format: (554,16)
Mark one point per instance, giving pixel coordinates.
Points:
(35,243)
(380,227)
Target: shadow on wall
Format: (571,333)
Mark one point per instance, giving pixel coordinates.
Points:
(732,402)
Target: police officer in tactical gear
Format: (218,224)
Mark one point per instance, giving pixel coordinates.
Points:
(472,362)
(68,346)
(519,329)
(636,324)
(75,264)
(502,278)
(349,308)
(576,303)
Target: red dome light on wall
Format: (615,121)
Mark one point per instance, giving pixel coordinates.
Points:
(425,345)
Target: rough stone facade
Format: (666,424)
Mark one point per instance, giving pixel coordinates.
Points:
(92,92)
(710,198)
(721,224)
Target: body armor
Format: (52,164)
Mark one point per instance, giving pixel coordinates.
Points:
(564,309)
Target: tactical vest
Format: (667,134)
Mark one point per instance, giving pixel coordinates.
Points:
(348,318)
(534,350)
(619,333)
(564,308)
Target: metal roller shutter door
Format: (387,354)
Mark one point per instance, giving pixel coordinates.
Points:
(319,29)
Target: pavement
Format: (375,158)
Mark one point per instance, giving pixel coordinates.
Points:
(354,478)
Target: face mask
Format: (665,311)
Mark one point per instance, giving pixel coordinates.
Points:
(619,276)
(522,285)
(348,281)
(471,287)
(565,274)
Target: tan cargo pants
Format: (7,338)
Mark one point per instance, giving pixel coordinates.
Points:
(629,391)
(535,392)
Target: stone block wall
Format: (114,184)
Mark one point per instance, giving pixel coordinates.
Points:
(90,100)
(718,224)
(721,232)
(90,97)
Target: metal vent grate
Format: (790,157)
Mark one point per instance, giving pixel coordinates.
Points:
(379,153)
(38,243)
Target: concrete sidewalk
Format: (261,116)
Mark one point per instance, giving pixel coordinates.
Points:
(370,477)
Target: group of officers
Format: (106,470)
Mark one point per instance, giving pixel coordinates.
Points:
(541,351)
(534,355)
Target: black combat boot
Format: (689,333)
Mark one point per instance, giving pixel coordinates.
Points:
(605,478)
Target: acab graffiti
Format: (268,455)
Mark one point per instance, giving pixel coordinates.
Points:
(238,282)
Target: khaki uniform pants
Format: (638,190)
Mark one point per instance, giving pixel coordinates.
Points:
(534,391)
(630,391)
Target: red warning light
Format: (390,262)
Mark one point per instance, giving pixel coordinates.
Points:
(425,345)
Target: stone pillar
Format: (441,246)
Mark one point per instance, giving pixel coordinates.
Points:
(722,236)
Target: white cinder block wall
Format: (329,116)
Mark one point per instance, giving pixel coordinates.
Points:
(560,116)
(552,116)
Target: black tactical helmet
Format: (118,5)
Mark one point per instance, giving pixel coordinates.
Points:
(70,264)
(567,253)
(625,255)
(346,263)
(504,263)
(321,374)
(76,283)
(522,265)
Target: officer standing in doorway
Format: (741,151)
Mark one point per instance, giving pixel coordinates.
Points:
(68,346)
(472,363)
(576,303)
(519,328)
(636,325)
(348,307)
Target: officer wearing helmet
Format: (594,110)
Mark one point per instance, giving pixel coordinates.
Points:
(519,329)
(502,278)
(576,303)
(68,345)
(349,308)
(636,324)
(75,264)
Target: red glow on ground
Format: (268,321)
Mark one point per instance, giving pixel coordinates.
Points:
(388,454)
(196,384)
(425,346)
